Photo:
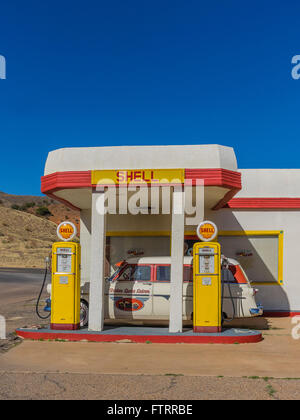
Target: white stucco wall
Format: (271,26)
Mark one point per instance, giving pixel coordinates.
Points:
(270,183)
(138,223)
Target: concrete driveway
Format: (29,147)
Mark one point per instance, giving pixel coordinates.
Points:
(61,370)
(276,356)
(266,370)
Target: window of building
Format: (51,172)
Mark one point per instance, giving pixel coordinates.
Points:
(259,254)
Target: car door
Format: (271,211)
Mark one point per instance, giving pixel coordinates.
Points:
(161,291)
(130,295)
(233,297)
(142,305)
(248,292)
(187,292)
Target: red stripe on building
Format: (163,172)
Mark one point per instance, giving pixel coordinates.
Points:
(216,177)
(264,203)
(65,180)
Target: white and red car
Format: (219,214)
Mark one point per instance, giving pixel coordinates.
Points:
(140,290)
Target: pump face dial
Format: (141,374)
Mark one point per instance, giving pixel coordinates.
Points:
(206,260)
(64,260)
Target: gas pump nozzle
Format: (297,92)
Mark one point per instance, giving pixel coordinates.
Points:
(47,262)
(224,261)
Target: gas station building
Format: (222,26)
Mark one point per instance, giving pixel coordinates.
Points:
(257,212)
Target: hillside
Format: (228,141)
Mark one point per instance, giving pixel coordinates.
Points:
(25,239)
(28,228)
(31,204)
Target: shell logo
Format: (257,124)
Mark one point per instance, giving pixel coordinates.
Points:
(66,231)
(207,231)
(129,304)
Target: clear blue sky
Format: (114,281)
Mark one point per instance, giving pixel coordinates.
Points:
(99,73)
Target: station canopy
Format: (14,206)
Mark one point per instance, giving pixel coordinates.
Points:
(72,173)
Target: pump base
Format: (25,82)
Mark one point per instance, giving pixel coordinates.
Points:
(144,334)
(65,327)
(208,330)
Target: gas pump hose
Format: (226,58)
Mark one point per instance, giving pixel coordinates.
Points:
(232,301)
(40,295)
(225,265)
(222,299)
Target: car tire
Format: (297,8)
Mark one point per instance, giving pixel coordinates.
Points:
(84,314)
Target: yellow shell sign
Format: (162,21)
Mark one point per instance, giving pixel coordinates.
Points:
(66,231)
(207,231)
(139,177)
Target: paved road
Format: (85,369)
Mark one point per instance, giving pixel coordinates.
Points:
(19,290)
(18,275)
(49,386)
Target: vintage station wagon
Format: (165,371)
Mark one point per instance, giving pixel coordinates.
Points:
(140,290)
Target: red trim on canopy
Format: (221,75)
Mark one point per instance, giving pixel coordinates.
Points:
(219,177)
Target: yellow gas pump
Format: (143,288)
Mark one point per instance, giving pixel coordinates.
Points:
(65,292)
(207,316)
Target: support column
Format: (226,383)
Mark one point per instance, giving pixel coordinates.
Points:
(177,251)
(96,304)
(85,242)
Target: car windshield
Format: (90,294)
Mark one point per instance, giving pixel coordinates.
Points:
(116,273)
(135,273)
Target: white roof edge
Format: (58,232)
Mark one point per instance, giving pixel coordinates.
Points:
(141,157)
